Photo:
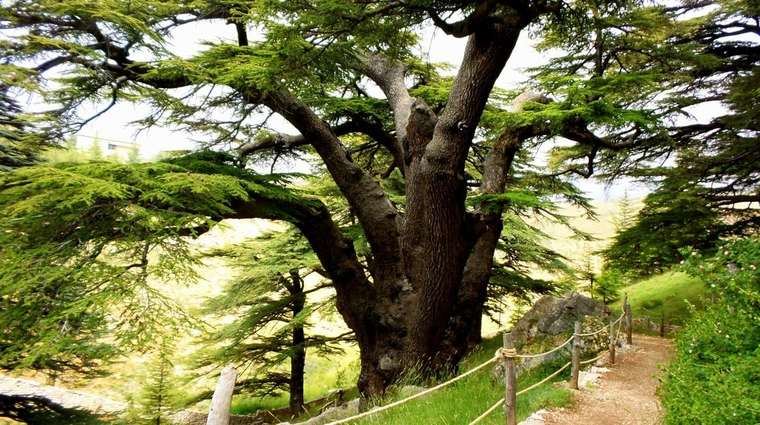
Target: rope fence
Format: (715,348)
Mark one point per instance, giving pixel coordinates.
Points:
(523,391)
(507,354)
(533,356)
(545,380)
(413,396)
(592,360)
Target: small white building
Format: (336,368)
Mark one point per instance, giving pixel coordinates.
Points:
(122,150)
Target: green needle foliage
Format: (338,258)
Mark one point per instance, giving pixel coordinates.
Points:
(83,245)
(272,309)
(669,221)
(159,397)
(608,285)
(19,144)
(655,70)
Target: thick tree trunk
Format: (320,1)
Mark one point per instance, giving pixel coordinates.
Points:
(485,225)
(435,237)
(416,303)
(463,327)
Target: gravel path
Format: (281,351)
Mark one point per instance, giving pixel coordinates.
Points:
(625,395)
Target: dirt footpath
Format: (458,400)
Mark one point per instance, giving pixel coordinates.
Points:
(626,394)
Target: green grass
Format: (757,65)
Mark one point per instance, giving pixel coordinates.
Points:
(463,401)
(322,376)
(669,293)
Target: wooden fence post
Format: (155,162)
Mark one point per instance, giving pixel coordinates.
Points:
(219,412)
(628,321)
(510,381)
(576,359)
(612,340)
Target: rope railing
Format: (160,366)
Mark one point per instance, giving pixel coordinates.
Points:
(488,411)
(532,356)
(508,355)
(523,391)
(545,380)
(592,360)
(413,396)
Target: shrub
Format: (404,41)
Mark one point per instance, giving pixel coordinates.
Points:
(608,285)
(715,376)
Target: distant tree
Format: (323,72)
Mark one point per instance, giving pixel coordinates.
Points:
(95,152)
(608,285)
(587,275)
(159,397)
(673,217)
(272,308)
(626,214)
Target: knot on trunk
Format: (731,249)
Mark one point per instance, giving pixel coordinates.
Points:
(388,363)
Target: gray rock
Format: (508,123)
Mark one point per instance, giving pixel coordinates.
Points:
(65,397)
(549,323)
(334,413)
(552,316)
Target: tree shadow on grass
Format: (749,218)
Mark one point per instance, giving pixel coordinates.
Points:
(35,410)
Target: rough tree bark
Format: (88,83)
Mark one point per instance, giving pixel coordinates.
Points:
(298,358)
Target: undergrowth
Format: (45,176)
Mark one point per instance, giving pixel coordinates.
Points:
(714,378)
(465,400)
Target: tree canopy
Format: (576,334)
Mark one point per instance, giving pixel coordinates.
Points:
(435,171)
(77,241)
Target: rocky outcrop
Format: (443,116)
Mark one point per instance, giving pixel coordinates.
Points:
(551,316)
(66,398)
(549,323)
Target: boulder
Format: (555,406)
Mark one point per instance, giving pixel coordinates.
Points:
(551,316)
(549,323)
(332,414)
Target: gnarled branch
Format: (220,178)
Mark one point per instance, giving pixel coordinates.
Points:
(467,25)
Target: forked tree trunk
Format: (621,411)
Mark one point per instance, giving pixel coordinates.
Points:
(436,241)
(417,304)
(447,252)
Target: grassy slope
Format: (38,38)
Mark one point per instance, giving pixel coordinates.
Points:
(669,293)
(465,400)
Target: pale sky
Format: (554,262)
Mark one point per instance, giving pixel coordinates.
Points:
(189,39)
